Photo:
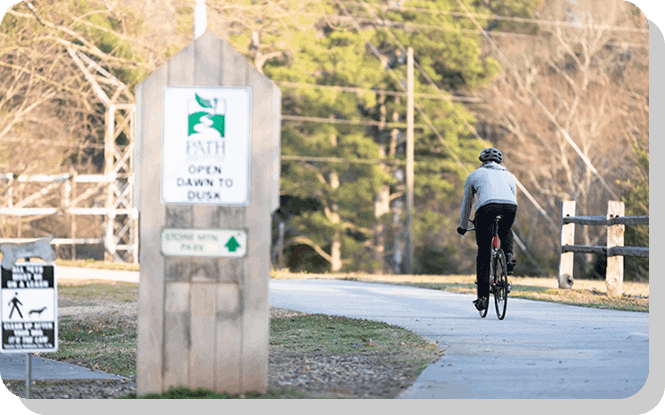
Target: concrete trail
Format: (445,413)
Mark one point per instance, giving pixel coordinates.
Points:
(540,350)
(13,365)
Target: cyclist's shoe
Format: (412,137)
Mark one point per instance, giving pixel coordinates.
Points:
(509,288)
(481,303)
(510,264)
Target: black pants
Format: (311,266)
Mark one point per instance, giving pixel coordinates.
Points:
(485,216)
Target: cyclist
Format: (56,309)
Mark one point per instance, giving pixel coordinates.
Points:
(497,195)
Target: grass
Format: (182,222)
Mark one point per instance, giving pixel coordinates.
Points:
(91,263)
(110,346)
(327,334)
(101,344)
(184,393)
(104,345)
(339,335)
(98,289)
(578,297)
(585,293)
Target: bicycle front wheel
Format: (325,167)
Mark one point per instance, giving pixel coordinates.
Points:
(500,284)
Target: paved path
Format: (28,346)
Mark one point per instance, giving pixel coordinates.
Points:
(13,366)
(540,350)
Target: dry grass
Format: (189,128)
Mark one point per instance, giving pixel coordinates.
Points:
(589,293)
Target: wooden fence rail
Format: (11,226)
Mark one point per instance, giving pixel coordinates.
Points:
(73,195)
(614,250)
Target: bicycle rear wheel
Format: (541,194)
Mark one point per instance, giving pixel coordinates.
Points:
(483,312)
(499,270)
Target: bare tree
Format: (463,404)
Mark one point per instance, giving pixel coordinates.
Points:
(593,87)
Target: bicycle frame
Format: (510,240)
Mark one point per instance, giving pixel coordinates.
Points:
(497,287)
(495,239)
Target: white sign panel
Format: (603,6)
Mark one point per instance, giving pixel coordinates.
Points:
(206,243)
(206,152)
(28,308)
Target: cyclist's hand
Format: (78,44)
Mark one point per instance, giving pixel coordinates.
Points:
(461,230)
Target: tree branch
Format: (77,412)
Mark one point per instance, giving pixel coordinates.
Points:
(306,241)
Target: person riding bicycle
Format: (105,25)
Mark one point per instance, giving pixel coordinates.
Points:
(497,195)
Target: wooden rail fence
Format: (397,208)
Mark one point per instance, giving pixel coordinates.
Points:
(71,194)
(616,223)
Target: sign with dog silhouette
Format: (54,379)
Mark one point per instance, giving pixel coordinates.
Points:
(28,308)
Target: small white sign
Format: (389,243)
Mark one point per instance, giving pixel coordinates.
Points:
(204,243)
(29,308)
(206,145)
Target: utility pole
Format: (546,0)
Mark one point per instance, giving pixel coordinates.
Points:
(409,162)
(200,18)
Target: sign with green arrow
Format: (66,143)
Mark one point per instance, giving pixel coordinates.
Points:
(204,242)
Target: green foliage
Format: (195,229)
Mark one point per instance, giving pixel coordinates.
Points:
(185,20)
(522,8)
(338,55)
(319,45)
(636,199)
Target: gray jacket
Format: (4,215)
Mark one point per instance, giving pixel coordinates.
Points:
(492,183)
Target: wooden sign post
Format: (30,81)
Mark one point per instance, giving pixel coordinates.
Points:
(208,154)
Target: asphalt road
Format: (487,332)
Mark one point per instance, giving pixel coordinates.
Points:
(540,350)
(13,365)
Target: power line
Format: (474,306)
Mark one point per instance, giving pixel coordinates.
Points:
(347,122)
(407,25)
(398,81)
(473,130)
(544,108)
(507,18)
(455,98)
(420,110)
(344,160)
(390,23)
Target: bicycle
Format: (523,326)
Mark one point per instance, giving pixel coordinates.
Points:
(499,285)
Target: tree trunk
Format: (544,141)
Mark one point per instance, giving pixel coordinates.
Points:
(382,200)
(336,245)
(396,207)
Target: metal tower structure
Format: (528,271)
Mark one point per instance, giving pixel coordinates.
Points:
(121,216)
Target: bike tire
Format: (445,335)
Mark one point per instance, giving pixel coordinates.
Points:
(483,313)
(500,273)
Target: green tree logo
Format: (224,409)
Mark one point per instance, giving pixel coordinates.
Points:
(205,114)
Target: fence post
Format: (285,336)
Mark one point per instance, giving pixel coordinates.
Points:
(614,273)
(567,238)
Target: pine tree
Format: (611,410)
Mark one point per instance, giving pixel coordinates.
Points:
(636,198)
(346,229)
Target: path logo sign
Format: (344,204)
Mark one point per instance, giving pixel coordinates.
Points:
(206,121)
(206,150)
